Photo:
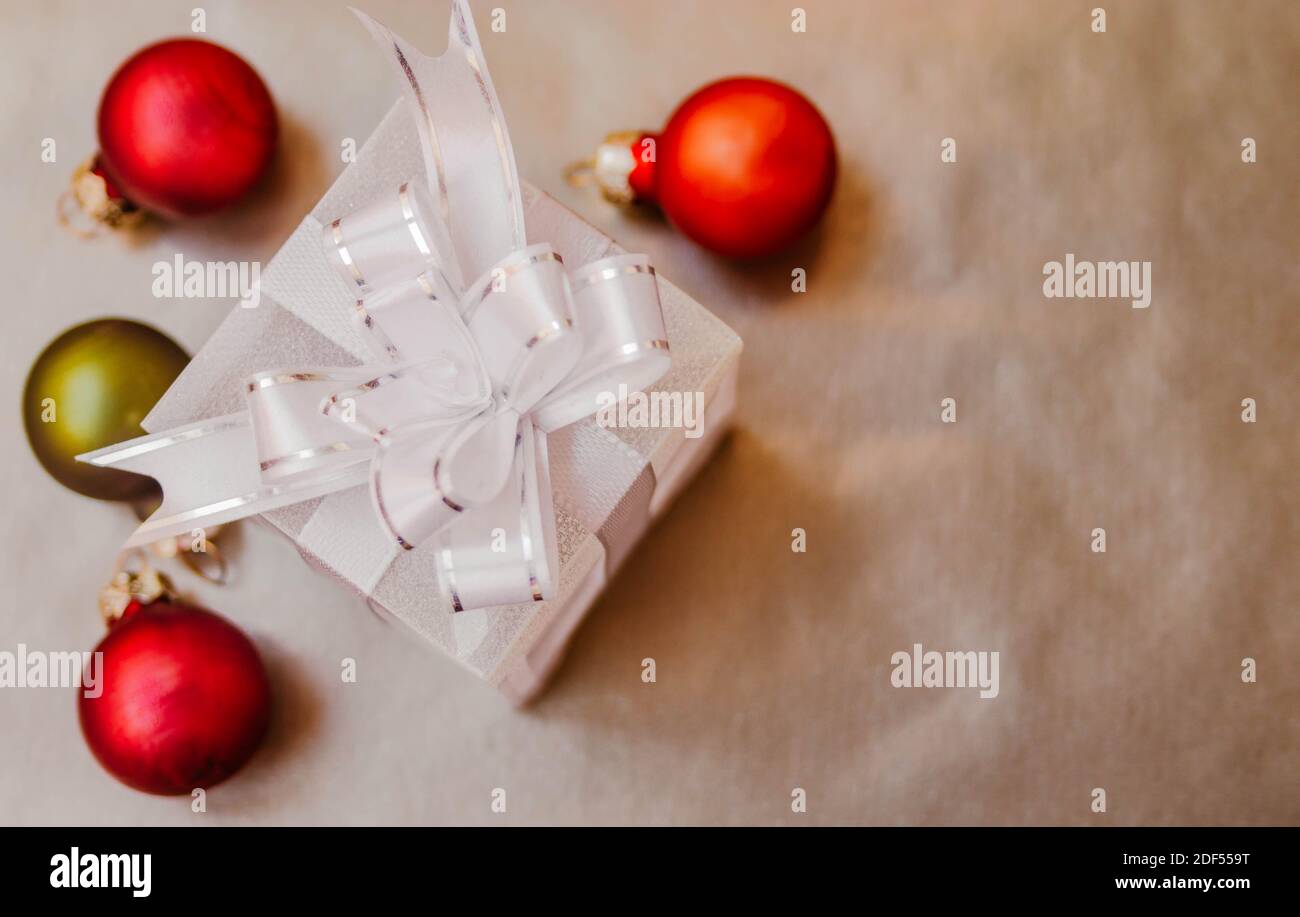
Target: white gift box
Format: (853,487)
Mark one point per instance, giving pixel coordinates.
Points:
(304,317)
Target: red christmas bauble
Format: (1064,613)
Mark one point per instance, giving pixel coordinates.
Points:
(185,699)
(186,127)
(744,167)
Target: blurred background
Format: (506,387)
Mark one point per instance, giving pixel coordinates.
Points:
(1119,670)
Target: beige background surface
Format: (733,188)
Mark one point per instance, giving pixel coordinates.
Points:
(1118,670)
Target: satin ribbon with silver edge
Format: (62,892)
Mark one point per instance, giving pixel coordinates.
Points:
(448,423)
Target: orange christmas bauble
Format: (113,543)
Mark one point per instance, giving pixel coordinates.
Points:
(745,167)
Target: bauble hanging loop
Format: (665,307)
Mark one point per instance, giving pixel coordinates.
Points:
(91,204)
(611,168)
(134,583)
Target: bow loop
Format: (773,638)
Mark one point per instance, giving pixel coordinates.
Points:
(506,551)
(293,435)
(616,303)
(380,242)
(438,392)
(521,317)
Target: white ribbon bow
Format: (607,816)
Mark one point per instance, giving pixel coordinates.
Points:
(449,425)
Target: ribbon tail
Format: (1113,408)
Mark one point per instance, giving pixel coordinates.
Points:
(210,474)
(468,158)
(463,43)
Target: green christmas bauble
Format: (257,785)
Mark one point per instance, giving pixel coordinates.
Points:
(90,388)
